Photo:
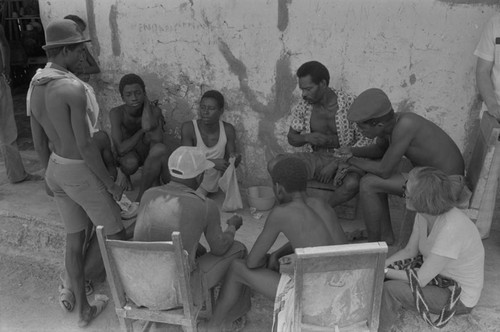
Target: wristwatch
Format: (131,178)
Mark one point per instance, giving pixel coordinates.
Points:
(385,271)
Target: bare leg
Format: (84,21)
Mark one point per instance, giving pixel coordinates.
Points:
(74,268)
(261,280)
(375,205)
(348,189)
(101,139)
(129,164)
(155,165)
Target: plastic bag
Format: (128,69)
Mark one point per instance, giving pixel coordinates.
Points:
(229,185)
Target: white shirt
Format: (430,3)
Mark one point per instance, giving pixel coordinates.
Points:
(455,236)
(488,49)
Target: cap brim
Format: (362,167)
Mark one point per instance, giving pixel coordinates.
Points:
(54,45)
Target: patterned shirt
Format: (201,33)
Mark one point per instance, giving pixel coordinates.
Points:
(348,133)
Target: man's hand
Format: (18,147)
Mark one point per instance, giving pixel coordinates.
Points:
(237,158)
(343,153)
(317,139)
(235,221)
(342,171)
(220,164)
(273,262)
(116,191)
(326,174)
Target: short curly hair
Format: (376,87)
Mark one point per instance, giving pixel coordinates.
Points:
(431,191)
(291,173)
(316,70)
(214,94)
(131,79)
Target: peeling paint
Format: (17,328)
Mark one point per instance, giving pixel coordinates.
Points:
(92,27)
(283,14)
(115,35)
(406,105)
(413,79)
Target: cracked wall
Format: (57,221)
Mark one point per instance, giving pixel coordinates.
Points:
(418,51)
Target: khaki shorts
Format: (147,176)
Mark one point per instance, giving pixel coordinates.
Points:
(81,197)
(314,161)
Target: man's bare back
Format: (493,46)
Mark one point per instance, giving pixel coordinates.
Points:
(49,104)
(430,145)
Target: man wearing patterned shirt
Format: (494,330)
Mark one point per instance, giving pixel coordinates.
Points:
(319,124)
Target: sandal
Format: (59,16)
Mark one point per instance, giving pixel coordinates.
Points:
(66,299)
(96,308)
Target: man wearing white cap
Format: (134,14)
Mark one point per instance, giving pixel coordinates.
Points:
(177,206)
(75,173)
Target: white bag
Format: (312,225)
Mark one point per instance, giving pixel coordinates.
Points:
(229,185)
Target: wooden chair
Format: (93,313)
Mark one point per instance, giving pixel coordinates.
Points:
(150,281)
(482,174)
(339,288)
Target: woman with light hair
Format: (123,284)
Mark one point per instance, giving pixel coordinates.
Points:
(441,269)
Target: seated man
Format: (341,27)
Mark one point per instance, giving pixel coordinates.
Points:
(319,123)
(398,135)
(305,221)
(177,206)
(214,137)
(138,136)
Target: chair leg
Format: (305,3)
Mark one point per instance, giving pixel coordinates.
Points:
(126,324)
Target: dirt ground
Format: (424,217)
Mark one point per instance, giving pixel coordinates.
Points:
(31,256)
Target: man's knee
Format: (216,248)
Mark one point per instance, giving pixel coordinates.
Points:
(101,139)
(129,164)
(351,183)
(238,268)
(157,152)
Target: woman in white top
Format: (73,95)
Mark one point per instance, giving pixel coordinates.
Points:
(449,243)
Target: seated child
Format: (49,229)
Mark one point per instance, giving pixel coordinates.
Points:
(138,136)
(305,221)
(215,137)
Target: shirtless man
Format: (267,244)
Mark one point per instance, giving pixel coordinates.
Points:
(138,136)
(319,123)
(398,135)
(177,206)
(75,172)
(305,221)
(215,137)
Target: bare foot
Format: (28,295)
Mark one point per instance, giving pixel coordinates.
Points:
(32,177)
(124,181)
(100,303)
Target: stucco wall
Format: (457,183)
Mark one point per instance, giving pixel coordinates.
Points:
(418,51)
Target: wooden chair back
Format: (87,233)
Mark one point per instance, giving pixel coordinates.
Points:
(149,281)
(339,288)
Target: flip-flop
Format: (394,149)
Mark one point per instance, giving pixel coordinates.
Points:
(66,299)
(89,287)
(96,308)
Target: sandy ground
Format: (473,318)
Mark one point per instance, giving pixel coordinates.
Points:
(31,256)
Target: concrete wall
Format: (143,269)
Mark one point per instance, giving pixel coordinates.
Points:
(418,51)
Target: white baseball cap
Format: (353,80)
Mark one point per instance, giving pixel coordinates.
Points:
(187,162)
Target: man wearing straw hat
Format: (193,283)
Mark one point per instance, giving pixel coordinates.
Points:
(75,173)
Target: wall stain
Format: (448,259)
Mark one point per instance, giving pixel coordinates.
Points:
(413,79)
(283,14)
(115,35)
(92,27)
(276,108)
(406,105)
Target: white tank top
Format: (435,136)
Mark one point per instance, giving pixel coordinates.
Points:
(211,177)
